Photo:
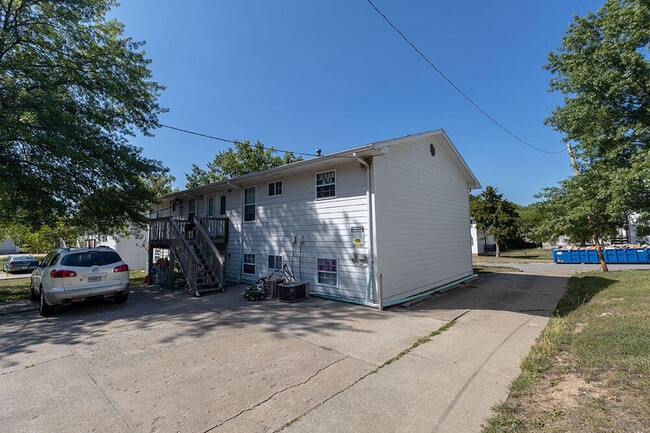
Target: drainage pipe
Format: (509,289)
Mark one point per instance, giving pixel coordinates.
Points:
(370,214)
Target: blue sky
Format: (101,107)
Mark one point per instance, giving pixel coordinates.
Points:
(332,75)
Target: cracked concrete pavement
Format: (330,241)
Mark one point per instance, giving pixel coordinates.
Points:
(165,361)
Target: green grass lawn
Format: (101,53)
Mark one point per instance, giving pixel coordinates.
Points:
(530,255)
(15,289)
(590,368)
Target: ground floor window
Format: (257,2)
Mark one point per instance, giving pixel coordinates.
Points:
(249,264)
(327,272)
(275,263)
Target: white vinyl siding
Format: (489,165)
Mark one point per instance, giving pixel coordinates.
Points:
(323,224)
(422,215)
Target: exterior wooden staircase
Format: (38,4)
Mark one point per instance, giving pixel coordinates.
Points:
(193,249)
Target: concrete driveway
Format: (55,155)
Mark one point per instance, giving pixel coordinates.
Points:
(168,362)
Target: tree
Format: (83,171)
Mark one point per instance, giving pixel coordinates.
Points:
(603,70)
(564,209)
(160,183)
(72,90)
(241,160)
(494,216)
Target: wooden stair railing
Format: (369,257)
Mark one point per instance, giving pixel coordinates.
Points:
(214,259)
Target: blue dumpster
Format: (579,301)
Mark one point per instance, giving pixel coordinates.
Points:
(611,255)
(631,255)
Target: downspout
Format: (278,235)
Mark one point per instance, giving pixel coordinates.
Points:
(241,230)
(369,203)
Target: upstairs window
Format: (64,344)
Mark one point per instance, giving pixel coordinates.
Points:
(275,188)
(249,204)
(326,184)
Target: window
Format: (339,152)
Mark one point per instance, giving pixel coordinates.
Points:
(275,263)
(210,206)
(249,264)
(191,209)
(249,204)
(275,188)
(222,205)
(327,272)
(326,184)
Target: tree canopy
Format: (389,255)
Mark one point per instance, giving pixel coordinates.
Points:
(243,159)
(73,89)
(603,70)
(495,216)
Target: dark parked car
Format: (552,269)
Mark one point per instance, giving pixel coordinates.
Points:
(75,274)
(20,263)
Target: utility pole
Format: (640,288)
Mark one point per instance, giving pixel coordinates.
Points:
(599,247)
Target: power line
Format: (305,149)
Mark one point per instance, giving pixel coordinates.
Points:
(451,83)
(212,137)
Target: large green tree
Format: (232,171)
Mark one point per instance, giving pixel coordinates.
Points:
(244,158)
(73,89)
(603,70)
(495,216)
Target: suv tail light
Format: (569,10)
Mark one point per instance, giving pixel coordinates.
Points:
(62,273)
(122,268)
(11,263)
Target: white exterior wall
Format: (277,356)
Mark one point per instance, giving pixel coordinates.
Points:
(324,224)
(132,249)
(422,217)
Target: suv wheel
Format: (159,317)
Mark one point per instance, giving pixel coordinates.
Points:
(121,298)
(43,308)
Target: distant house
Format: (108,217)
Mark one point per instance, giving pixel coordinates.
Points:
(131,248)
(377,225)
(7,246)
(481,244)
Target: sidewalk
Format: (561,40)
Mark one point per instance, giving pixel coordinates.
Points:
(451,382)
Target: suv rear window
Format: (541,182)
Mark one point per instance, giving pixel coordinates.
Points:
(91,258)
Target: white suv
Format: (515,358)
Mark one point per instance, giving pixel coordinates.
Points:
(75,274)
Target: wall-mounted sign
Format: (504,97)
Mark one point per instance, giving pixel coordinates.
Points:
(358,236)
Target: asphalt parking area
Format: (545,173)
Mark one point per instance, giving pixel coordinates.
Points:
(166,361)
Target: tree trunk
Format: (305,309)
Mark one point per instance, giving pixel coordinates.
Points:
(497,251)
(601,257)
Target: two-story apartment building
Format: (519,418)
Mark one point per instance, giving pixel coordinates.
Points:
(377,225)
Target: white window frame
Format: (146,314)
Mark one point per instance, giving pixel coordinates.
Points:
(249,204)
(275,185)
(274,266)
(327,271)
(248,260)
(323,185)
